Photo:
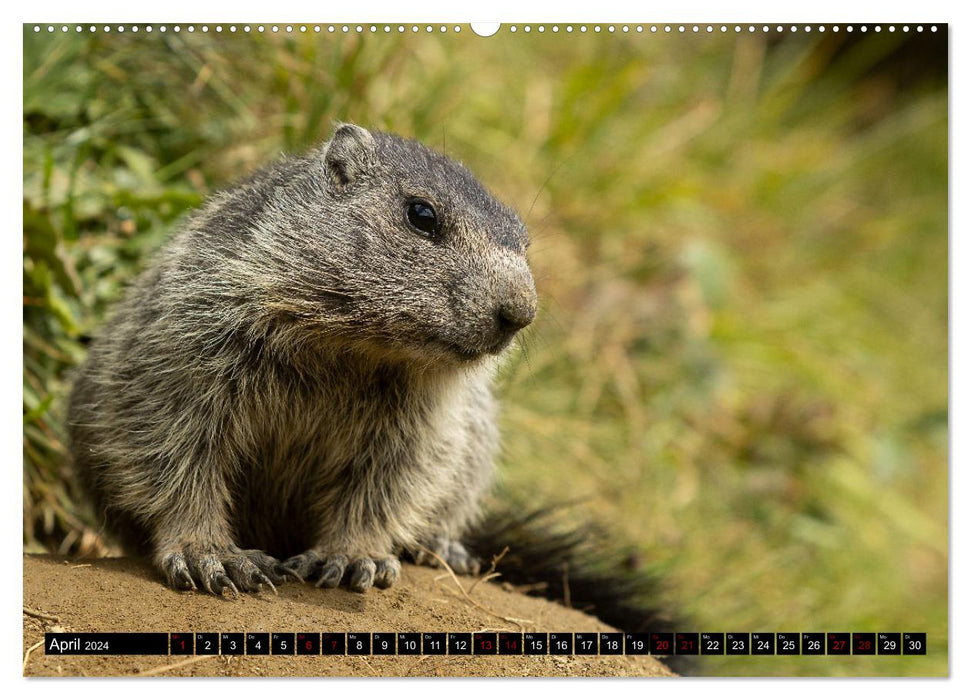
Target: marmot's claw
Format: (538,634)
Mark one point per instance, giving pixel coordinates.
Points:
(217,569)
(360,575)
(261,580)
(264,564)
(285,571)
(185,582)
(387,572)
(223,582)
(177,572)
(332,571)
(304,566)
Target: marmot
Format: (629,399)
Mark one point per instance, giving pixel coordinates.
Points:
(299,383)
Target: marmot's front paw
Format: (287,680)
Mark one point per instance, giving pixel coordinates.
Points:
(452,552)
(217,569)
(359,573)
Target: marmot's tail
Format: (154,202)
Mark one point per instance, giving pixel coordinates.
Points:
(581,567)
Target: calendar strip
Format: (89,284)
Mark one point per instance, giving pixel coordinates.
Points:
(487,643)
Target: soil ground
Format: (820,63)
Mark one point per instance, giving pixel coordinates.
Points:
(126,595)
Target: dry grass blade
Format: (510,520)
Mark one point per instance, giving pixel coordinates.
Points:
(40,615)
(28,652)
(520,623)
(491,573)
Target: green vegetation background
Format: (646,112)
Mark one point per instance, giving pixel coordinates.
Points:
(740,244)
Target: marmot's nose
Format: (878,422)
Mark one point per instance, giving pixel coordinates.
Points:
(514,315)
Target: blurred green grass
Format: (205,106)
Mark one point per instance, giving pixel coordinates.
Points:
(740,245)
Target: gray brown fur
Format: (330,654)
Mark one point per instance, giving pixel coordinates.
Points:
(300,376)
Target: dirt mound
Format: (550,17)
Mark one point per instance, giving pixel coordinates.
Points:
(125,595)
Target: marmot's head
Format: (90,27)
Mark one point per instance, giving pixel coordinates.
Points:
(393,246)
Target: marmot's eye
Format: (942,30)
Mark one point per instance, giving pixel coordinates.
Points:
(422,217)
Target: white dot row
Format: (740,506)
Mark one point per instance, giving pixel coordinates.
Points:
(414,28)
(289,29)
(708,28)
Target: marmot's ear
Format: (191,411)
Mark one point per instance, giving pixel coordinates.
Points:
(349,154)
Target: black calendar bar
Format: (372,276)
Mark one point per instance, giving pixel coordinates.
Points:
(308,643)
(409,643)
(384,643)
(110,643)
(763,643)
(487,643)
(182,644)
(510,643)
(687,643)
(333,643)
